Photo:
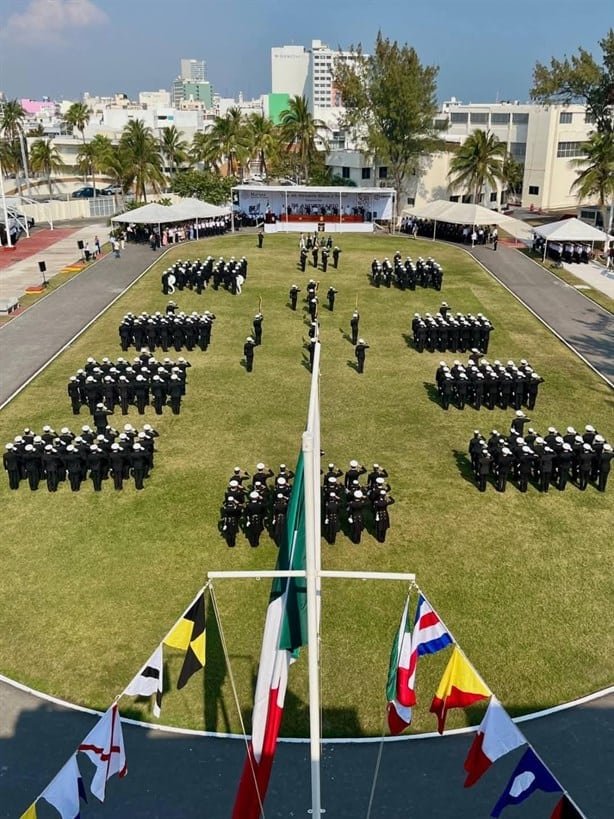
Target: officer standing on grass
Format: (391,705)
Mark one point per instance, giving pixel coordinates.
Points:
(360,351)
(354,321)
(293,294)
(257,324)
(330,295)
(248,352)
(336,253)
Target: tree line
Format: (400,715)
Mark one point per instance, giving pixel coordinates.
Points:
(390,105)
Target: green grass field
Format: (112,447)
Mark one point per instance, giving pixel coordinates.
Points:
(90,583)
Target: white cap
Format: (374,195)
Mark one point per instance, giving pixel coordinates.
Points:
(254,495)
(353,464)
(259,466)
(358,494)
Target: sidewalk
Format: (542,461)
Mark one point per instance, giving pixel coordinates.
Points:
(595,275)
(57,248)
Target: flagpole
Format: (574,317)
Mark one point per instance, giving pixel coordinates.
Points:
(312,623)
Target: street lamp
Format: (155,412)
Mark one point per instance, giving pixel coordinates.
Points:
(7,227)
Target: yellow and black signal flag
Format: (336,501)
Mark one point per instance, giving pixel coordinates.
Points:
(188,635)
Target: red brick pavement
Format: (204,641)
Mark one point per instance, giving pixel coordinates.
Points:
(38,241)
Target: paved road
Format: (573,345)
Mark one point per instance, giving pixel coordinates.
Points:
(585,325)
(179,777)
(45,328)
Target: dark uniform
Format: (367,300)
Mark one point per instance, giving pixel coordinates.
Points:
(330,295)
(354,321)
(293,294)
(257,324)
(360,352)
(380,505)
(248,352)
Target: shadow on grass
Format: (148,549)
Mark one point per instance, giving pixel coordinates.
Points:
(463,465)
(346,336)
(431,391)
(409,341)
(352,365)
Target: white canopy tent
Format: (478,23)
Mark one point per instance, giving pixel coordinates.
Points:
(570,230)
(182,211)
(459,213)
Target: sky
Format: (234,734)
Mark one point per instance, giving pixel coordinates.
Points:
(485,50)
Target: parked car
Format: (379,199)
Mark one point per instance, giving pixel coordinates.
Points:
(13,213)
(111,190)
(85,193)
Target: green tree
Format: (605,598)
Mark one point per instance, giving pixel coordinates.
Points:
(263,140)
(205,185)
(92,157)
(596,171)
(37,130)
(580,79)
(174,148)
(299,131)
(11,128)
(142,158)
(390,99)
(478,161)
(78,116)
(513,174)
(229,142)
(204,151)
(45,159)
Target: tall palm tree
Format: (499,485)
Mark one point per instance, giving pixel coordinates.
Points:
(478,161)
(596,171)
(300,130)
(174,148)
(115,162)
(11,128)
(228,140)
(262,139)
(204,149)
(77,116)
(45,159)
(142,155)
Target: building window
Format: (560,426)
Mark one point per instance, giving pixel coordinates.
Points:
(345,172)
(569,149)
(520,119)
(411,201)
(479,118)
(518,150)
(493,196)
(366,173)
(565,117)
(382,172)
(499,119)
(457,117)
(533,190)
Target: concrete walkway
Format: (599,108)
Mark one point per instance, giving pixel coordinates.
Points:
(582,324)
(178,777)
(595,275)
(174,776)
(43,330)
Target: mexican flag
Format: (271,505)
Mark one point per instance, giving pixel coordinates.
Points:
(285,630)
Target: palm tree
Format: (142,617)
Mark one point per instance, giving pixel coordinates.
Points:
(142,156)
(77,116)
(11,128)
(299,130)
(596,166)
(37,130)
(262,138)
(174,149)
(204,149)
(115,162)
(228,140)
(478,161)
(45,159)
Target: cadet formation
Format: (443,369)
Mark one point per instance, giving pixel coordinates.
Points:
(197,275)
(478,383)
(446,332)
(406,275)
(105,386)
(259,502)
(176,330)
(94,454)
(554,459)
(320,250)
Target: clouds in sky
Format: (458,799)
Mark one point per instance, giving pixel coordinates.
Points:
(51,21)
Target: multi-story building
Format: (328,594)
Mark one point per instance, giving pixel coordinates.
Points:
(289,70)
(544,139)
(193,70)
(155,99)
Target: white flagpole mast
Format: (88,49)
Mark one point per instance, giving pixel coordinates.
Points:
(311,471)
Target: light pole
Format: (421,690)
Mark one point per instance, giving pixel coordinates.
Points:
(7,229)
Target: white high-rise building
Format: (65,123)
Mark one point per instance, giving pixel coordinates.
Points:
(193,70)
(325,99)
(289,70)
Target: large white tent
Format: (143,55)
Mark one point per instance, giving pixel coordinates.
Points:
(570,230)
(182,211)
(460,213)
